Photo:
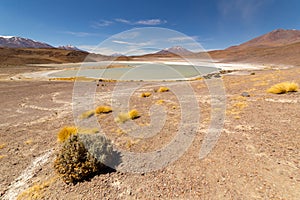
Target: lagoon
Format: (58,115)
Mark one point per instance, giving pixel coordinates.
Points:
(147,71)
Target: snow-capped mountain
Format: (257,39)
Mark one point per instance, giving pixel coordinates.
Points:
(175,50)
(19,42)
(117,55)
(69,47)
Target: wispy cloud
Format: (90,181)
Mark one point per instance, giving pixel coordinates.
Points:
(148,22)
(97,49)
(127,35)
(110,51)
(132,43)
(244,8)
(80,34)
(101,23)
(151,22)
(183,38)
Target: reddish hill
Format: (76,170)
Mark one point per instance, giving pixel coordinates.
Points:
(279,37)
(277,47)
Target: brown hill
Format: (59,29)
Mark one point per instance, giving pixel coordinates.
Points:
(19,56)
(279,37)
(277,47)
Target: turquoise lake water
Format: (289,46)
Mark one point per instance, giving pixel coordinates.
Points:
(138,71)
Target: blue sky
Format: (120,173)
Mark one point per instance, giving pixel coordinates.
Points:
(215,24)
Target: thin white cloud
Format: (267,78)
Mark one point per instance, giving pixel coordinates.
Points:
(138,44)
(101,23)
(148,22)
(80,34)
(127,35)
(123,21)
(97,49)
(183,38)
(109,51)
(244,8)
(151,22)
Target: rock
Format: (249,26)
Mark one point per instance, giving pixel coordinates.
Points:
(245,94)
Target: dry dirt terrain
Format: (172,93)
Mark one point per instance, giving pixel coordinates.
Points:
(257,155)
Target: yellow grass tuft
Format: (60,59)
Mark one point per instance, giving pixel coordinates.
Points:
(130,143)
(240,105)
(146,94)
(163,89)
(2,145)
(66,132)
(88,130)
(28,142)
(103,109)
(36,191)
(123,117)
(3,156)
(87,114)
(283,87)
(120,132)
(133,114)
(159,102)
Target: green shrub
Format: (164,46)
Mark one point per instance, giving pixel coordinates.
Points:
(82,156)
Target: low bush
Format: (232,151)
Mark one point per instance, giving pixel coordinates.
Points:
(283,87)
(82,156)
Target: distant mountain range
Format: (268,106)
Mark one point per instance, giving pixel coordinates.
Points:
(19,42)
(277,47)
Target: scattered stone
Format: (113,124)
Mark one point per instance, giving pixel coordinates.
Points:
(245,94)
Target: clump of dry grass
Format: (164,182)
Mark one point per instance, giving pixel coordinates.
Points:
(283,87)
(2,145)
(146,94)
(3,156)
(66,132)
(120,132)
(123,117)
(130,143)
(87,114)
(37,190)
(133,114)
(163,89)
(74,78)
(159,102)
(103,109)
(238,105)
(88,130)
(28,142)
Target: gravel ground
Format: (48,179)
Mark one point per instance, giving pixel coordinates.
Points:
(256,156)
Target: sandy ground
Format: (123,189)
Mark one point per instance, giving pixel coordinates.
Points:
(256,156)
